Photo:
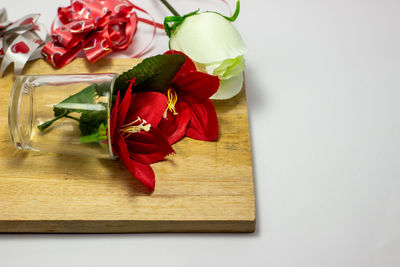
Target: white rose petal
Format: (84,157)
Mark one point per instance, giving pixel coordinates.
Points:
(229,88)
(174,42)
(223,69)
(208,37)
(229,68)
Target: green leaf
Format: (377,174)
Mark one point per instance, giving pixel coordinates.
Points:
(103,89)
(79,102)
(91,120)
(97,137)
(153,74)
(93,138)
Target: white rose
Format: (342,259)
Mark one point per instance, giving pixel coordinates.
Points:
(216,47)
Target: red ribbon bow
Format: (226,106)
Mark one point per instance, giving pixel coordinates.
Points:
(96,27)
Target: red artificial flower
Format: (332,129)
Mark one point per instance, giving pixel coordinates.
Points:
(189,111)
(135,138)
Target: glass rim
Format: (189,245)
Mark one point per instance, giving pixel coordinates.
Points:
(110,150)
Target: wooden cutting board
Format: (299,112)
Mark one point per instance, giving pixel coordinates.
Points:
(204,187)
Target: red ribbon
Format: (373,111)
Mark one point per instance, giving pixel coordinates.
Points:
(96,27)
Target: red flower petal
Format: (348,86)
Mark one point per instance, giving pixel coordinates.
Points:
(196,87)
(149,106)
(204,123)
(148,147)
(174,126)
(124,107)
(142,172)
(188,66)
(146,173)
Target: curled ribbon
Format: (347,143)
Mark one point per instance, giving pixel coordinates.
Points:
(20,41)
(96,27)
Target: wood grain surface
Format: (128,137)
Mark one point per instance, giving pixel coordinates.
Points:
(204,187)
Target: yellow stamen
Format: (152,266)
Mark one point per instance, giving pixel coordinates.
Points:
(172,99)
(128,129)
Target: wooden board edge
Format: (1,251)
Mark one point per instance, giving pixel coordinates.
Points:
(111,226)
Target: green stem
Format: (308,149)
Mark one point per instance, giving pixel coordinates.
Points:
(47,124)
(170,8)
(70,117)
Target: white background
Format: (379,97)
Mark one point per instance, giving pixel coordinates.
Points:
(323,89)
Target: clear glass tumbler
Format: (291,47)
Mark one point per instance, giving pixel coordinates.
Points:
(67,114)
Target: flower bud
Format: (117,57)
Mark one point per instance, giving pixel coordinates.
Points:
(216,48)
